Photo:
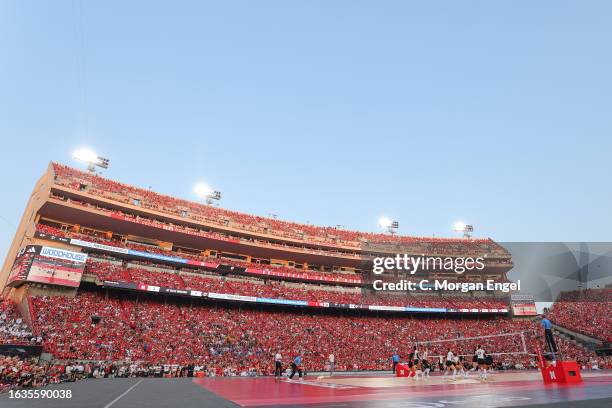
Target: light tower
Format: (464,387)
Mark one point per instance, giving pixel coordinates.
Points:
(466,229)
(206,193)
(91,158)
(389,225)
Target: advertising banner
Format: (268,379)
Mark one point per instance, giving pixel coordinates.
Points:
(226,296)
(76,257)
(282,301)
(55,266)
(95,245)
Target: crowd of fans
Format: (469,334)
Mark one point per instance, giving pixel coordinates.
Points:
(305,273)
(106,269)
(96,335)
(92,326)
(329,236)
(17,372)
(585,311)
(114,273)
(30,372)
(13,330)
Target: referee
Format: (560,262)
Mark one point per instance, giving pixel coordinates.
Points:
(278,365)
(548,335)
(296,367)
(395,360)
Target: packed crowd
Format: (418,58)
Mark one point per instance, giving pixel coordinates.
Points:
(17,372)
(99,335)
(330,236)
(228,340)
(13,330)
(106,269)
(585,311)
(305,273)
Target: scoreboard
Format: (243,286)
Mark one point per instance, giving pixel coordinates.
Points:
(48,265)
(523,305)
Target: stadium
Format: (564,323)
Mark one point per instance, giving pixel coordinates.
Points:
(305,204)
(120,295)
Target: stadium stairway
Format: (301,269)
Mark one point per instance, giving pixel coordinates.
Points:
(579,339)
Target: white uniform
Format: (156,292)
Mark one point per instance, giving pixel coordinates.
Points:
(450,356)
(480,356)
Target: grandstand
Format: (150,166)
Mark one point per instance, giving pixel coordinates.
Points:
(586,312)
(128,282)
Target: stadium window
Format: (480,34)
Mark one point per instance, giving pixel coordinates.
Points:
(183,213)
(136,201)
(82,187)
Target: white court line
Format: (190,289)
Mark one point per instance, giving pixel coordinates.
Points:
(124,393)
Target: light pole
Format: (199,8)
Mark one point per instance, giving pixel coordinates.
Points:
(91,158)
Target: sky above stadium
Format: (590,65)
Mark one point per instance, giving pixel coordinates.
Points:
(328,112)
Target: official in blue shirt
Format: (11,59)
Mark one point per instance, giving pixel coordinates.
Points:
(395,360)
(548,335)
(295,367)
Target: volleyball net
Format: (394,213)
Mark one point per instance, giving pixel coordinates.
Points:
(501,344)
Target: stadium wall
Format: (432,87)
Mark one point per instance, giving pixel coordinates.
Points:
(27,226)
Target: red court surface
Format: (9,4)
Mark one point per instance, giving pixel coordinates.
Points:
(503,389)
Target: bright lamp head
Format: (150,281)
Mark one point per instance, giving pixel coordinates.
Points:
(86,155)
(459,226)
(203,190)
(384,222)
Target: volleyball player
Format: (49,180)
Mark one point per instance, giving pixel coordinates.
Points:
(488,364)
(450,364)
(413,367)
(480,360)
(415,354)
(459,366)
(418,372)
(425,367)
(425,363)
(475,360)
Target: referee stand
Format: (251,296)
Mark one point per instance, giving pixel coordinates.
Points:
(553,367)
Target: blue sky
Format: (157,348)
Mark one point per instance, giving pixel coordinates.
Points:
(331,112)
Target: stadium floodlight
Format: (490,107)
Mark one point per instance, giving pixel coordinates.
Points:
(203,191)
(466,229)
(390,226)
(91,158)
(384,222)
(459,226)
